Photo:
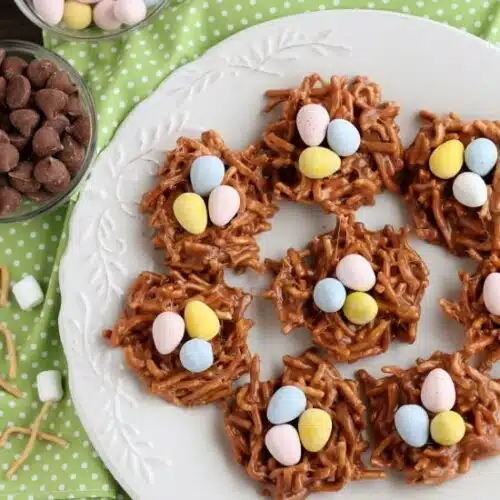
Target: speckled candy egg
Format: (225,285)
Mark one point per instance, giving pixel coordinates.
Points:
(168,330)
(438,391)
(343,137)
(315,429)
(76,15)
(51,11)
(130,11)
(283,443)
(312,121)
(329,295)
(201,320)
(223,205)
(481,156)
(356,273)
(412,424)
(317,162)
(470,190)
(196,355)
(286,404)
(104,16)
(491,293)
(447,159)
(448,428)
(206,174)
(191,212)
(360,308)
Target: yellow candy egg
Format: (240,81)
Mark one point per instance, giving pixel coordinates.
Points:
(447,428)
(360,308)
(447,159)
(191,212)
(315,428)
(201,321)
(77,16)
(317,162)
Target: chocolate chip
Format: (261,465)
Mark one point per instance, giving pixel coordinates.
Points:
(9,157)
(39,71)
(25,120)
(59,123)
(4,121)
(74,107)
(2,56)
(72,155)
(40,196)
(80,130)
(13,66)
(58,187)
(19,141)
(21,178)
(4,137)
(51,101)
(10,200)
(50,170)
(46,142)
(18,92)
(61,80)
(4,180)
(3,90)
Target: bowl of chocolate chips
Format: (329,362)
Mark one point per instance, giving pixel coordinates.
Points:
(47,130)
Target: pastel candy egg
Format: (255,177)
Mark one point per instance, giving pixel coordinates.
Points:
(130,11)
(196,355)
(286,404)
(356,273)
(360,308)
(491,293)
(283,443)
(104,16)
(223,204)
(191,212)
(329,295)
(447,428)
(412,424)
(312,121)
(50,11)
(168,330)
(470,190)
(481,156)
(343,137)
(206,174)
(317,162)
(438,391)
(201,320)
(447,159)
(315,429)
(76,15)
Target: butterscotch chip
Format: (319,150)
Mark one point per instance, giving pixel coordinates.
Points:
(13,66)
(21,178)
(74,108)
(19,141)
(9,157)
(18,92)
(39,71)
(25,120)
(72,155)
(50,170)
(59,123)
(81,129)
(10,200)
(4,137)
(61,80)
(51,102)
(3,89)
(46,142)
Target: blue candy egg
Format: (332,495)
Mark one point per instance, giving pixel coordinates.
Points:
(481,156)
(196,355)
(343,137)
(206,174)
(329,295)
(286,404)
(412,424)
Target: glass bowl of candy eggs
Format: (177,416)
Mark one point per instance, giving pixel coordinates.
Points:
(90,20)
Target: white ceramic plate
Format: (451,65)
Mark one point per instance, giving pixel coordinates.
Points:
(157,451)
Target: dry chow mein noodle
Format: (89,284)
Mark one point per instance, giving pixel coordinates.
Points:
(401,280)
(164,375)
(477,404)
(232,245)
(439,217)
(374,166)
(329,469)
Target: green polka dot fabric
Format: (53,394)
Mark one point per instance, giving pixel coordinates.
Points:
(120,74)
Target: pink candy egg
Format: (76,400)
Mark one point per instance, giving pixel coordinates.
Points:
(438,391)
(223,204)
(50,11)
(89,1)
(104,16)
(283,443)
(130,11)
(312,122)
(356,273)
(491,293)
(168,330)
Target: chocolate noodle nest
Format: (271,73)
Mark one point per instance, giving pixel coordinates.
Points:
(231,246)
(438,217)
(482,334)
(164,375)
(362,175)
(401,283)
(478,401)
(330,469)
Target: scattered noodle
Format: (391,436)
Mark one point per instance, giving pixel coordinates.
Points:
(11,350)
(27,432)
(14,391)
(4,285)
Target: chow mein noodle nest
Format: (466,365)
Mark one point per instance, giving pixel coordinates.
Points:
(231,246)
(375,166)
(478,402)
(330,469)
(400,286)
(438,217)
(164,375)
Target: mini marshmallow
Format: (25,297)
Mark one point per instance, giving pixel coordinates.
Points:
(28,293)
(49,384)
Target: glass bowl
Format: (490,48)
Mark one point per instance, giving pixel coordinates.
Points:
(30,51)
(93,33)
